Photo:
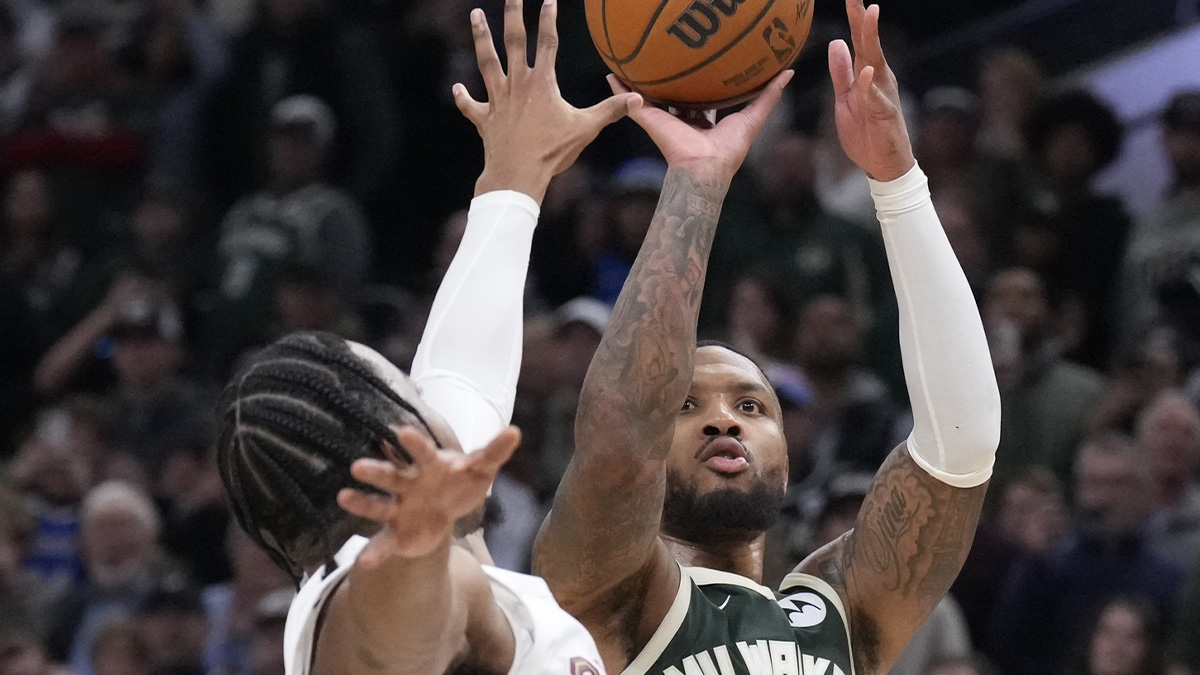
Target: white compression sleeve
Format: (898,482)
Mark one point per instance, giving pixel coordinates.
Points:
(955,400)
(467,364)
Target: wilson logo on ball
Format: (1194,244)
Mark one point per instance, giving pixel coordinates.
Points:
(701,20)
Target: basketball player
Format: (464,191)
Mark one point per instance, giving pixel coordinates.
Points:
(656,536)
(312,414)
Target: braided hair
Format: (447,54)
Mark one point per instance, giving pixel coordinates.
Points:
(291,424)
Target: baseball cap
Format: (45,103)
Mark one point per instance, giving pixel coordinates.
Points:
(307,112)
(144,317)
(643,175)
(588,311)
(1183,110)
(951,99)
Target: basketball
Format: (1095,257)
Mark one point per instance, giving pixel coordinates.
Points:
(698,54)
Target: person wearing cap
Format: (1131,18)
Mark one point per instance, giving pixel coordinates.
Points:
(298,219)
(175,626)
(305,47)
(632,195)
(1164,246)
(1080,234)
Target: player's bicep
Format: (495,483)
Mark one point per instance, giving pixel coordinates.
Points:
(908,545)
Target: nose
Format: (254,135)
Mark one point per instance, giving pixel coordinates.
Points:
(723,423)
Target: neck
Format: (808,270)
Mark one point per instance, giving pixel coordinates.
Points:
(738,557)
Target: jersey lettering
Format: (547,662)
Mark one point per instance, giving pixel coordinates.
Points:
(581,666)
(764,657)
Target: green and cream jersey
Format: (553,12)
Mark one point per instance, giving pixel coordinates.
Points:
(725,624)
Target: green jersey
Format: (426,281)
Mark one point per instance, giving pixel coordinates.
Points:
(725,624)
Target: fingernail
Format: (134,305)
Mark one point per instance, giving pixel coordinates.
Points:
(477,16)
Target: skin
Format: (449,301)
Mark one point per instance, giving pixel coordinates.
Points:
(417,600)
(601,549)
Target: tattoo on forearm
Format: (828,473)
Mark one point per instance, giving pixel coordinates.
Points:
(638,379)
(643,368)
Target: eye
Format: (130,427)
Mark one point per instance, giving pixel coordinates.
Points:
(750,406)
(688,405)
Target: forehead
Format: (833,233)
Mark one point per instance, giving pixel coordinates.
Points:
(719,368)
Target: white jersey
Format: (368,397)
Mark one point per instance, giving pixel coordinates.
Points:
(548,640)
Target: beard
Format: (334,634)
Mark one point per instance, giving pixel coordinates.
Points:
(723,515)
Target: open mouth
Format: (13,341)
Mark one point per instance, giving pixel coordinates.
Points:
(725,455)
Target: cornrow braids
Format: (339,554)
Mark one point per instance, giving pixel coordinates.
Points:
(291,424)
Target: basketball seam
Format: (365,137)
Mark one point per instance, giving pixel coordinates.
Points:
(713,57)
(608,39)
(612,53)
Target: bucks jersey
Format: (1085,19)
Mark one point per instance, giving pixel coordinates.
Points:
(725,624)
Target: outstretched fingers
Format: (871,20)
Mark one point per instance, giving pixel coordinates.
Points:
(760,109)
(495,453)
(841,68)
(514,37)
(612,109)
(372,507)
(485,53)
(547,39)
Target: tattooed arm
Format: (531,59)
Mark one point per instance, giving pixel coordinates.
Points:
(917,523)
(599,549)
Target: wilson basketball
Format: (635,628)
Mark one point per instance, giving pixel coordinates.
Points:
(698,53)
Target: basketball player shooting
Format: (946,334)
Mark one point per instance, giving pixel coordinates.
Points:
(351,474)
(656,537)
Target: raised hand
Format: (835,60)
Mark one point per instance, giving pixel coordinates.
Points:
(427,497)
(721,149)
(530,134)
(869,120)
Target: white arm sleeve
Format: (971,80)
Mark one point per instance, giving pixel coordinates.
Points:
(955,400)
(467,364)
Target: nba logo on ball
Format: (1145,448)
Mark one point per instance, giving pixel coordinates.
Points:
(698,54)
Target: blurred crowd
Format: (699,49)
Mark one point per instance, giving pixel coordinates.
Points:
(185,181)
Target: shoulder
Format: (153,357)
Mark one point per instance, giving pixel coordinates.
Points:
(548,640)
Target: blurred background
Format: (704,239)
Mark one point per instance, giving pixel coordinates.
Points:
(184,181)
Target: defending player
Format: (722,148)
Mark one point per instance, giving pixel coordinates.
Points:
(655,540)
(311,406)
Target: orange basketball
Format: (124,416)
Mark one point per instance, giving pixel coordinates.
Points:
(698,53)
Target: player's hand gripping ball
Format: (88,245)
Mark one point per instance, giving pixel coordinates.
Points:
(698,54)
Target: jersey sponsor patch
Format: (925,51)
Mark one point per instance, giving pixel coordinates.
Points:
(804,610)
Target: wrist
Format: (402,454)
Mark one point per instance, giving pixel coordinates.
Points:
(531,181)
(707,170)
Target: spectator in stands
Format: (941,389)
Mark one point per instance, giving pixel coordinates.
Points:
(82,127)
(23,595)
(1045,399)
(303,47)
(1029,519)
(118,533)
(961,223)
(946,147)
(299,219)
(194,511)
(1074,136)
(773,222)
(16,76)
(632,196)
(1165,244)
(175,627)
(34,252)
(1010,84)
(54,469)
(177,54)
(857,420)
(119,648)
(1039,617)
(1126,639)
(231,607)
(165,245)
(266,645)
(21,653)
(1168,435)
(760,319)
